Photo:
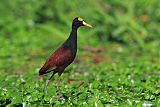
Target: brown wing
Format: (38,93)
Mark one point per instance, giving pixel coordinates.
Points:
(60,58)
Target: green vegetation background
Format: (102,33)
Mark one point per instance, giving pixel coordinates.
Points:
(117,63)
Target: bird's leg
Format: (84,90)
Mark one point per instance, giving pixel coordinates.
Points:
(47,82)
(58,83)
(58,89)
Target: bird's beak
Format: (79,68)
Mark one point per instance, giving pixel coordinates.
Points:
(86,24)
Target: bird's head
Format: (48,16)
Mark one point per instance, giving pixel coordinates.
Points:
(77,22)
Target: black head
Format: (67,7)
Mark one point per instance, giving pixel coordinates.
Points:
(77,22)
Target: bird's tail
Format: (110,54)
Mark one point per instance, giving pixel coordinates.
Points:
(43,71)
(46,69)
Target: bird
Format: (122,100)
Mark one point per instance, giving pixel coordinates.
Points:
(64,55)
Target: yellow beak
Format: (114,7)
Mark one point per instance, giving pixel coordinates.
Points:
(86,24)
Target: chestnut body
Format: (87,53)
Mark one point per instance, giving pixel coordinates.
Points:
(58,61)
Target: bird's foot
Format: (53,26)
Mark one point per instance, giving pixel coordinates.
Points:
(59,97)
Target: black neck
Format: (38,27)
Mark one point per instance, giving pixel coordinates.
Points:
(73,35)
(72,39)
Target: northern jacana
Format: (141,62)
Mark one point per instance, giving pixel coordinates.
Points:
(64,55)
